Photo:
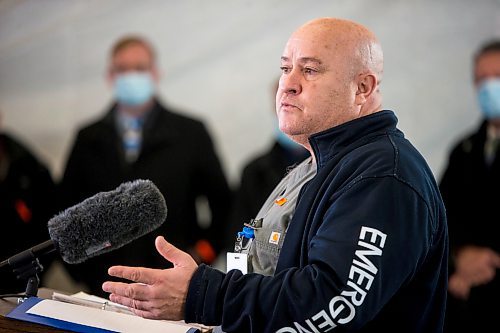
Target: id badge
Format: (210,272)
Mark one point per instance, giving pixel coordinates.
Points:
(237,261)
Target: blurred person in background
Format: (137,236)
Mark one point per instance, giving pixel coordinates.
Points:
(469,187)
(27,202)
(261,175)
(139,137)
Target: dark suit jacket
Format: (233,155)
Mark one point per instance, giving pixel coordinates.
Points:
(177,155)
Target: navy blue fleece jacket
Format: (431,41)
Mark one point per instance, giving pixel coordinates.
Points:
(366,250)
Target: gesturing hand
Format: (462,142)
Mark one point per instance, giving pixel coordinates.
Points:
(155,293)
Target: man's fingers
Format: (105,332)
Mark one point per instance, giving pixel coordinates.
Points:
(129,302)
(171,253)
(496,260)
(135,291)
(458,287)
(141,308)
(136,274)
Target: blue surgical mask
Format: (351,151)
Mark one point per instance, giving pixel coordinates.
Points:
(133,89)
(488,94)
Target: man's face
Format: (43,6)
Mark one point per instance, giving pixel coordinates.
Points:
(487,67)
(133,58)
(316,88)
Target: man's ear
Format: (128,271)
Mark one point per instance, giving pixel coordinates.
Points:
(367,85)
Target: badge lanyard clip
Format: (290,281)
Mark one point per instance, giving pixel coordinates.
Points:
(244,237)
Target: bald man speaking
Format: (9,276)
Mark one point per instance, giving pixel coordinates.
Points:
(367,248)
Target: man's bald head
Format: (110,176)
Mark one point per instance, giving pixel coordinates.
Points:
(347,38)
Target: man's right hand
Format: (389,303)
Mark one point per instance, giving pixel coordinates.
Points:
(474,266)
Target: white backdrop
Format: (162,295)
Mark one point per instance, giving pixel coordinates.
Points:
(219,59)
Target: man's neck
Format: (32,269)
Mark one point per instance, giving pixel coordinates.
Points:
(136,111)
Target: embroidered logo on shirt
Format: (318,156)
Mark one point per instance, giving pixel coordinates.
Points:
(274,238)
(281,201)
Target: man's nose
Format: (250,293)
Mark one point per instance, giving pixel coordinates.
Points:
(290,82)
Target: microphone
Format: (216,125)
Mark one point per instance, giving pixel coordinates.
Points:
(101,223)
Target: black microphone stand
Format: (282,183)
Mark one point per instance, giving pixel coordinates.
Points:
(26,266)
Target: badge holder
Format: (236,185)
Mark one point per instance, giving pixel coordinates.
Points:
(239,258)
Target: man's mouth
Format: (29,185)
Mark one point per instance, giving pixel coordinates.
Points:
(285,105)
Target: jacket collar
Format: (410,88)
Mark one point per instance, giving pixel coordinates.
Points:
(328,143)
(111,115)
(158,126)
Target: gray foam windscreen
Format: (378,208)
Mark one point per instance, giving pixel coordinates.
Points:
(108,220)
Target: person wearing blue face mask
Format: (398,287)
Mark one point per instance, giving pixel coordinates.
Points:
(139,137)
(469,187)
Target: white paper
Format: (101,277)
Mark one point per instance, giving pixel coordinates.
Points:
(109,320)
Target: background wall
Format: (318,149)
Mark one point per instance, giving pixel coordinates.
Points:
(219,59)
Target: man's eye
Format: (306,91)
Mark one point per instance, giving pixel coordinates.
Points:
(119,69)
(142,68)
(285,69)
(133,68)
(308,70)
